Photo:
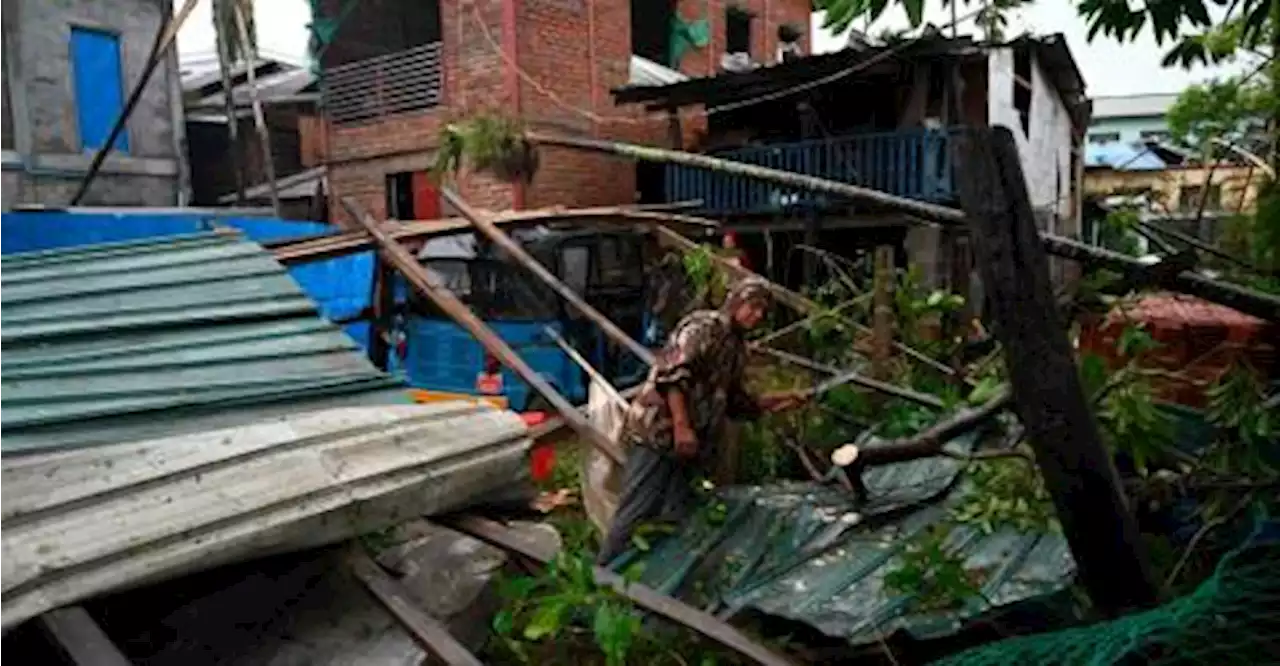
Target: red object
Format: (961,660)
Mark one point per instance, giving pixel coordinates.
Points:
(426,197)
(491,364)
(1198,339)
(542,460)
(533,418)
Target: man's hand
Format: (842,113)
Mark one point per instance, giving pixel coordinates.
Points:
(686,442)
(783,401)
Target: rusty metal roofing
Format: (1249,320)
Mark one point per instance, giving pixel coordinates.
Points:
(83,522)
(122,341)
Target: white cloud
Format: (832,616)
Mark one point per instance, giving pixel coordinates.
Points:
(282,28)
(1109,68)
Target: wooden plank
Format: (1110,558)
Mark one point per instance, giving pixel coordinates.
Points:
(83,641)
(491,231)
(408,266)
(645,597)
(318,248)
(429,632)
(1077,469)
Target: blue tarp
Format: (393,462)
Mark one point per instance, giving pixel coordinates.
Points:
(341,287)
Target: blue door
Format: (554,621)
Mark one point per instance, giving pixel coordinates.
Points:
(99,86)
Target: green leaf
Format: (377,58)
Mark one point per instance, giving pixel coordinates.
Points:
(546,620)
(504,623)
(915,11)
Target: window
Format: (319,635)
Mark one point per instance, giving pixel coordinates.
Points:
(1022,87)
(1189,198)
(99,86)
(575,267)
(737,29)
(1154,135)
(1104,137)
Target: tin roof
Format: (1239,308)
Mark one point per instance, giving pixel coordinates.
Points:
(813,554)
(1132,106)
(113,342)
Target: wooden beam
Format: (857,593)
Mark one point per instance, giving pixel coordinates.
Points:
(259,120)
(484,225)
(427,631)
(318,248)
(83,641)
(647,598)
(417,277)
(1078,470)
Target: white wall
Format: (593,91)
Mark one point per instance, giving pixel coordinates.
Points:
(1046,148)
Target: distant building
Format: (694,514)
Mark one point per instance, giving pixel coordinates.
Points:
(68,68)
(1130,118)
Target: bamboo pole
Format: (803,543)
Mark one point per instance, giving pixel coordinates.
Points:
(484,225)
(882,315)
(229,103)
(586,366)
(417,277)
(810,319)
(923,399)
(1245,300)
(165,38)
(259,120)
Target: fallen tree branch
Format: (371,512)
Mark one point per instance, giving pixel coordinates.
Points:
(927,444)
(924,399)
(812,318)
(798,302)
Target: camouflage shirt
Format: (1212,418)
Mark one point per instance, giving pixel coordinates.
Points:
(704,358)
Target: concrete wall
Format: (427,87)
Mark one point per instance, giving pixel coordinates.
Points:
(1045,147)
(46,161)
(1129,129)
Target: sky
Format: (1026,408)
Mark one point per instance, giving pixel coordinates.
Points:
(1109,68)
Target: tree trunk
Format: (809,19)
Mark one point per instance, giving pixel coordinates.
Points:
(882,314)
(259,120)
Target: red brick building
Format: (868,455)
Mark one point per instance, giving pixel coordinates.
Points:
(395,70)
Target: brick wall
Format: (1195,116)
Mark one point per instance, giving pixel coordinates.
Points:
(573,52)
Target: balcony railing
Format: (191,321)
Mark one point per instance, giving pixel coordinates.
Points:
(914,163)
(385,85)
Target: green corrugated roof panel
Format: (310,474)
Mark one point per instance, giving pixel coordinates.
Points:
(811,553)
(107,342)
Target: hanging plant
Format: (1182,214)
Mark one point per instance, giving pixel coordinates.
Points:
(486,143)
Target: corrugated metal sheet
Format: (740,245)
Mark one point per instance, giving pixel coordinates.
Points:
(84,522)
(812,554)
(1133,106)
(139,339)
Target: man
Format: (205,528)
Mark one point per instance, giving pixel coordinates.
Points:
(695,383)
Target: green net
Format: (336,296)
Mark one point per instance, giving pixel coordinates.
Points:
(1231,618)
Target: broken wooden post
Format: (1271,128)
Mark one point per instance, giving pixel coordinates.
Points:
(882,313)
(259,120)
(428,632)
(647,598)
(383,314)
(491,231)
(418,278)
(1078,470)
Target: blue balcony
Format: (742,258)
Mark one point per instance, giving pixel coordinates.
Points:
(914,163)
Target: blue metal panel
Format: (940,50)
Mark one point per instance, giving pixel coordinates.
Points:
(99,84)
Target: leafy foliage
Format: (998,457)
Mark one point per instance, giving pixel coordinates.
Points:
(1233,109)
(841,14)
(933,576)
(1007,493)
